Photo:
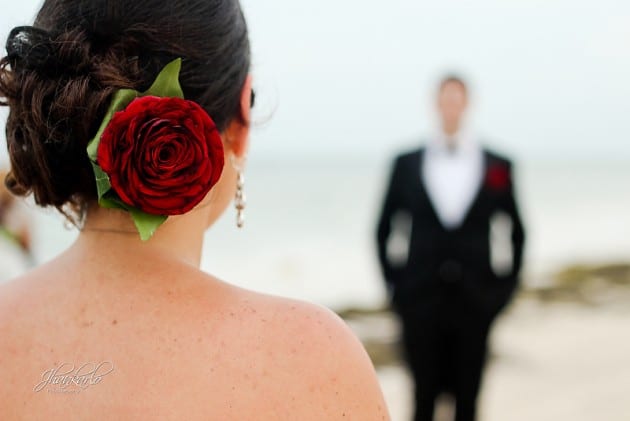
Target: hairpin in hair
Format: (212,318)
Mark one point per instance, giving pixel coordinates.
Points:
(29,47)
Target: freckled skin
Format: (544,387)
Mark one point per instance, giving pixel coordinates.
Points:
(184,346)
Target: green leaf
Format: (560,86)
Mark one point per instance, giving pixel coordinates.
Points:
(120,101)
(111,201)
(103,184)
(167,83)
(145,223)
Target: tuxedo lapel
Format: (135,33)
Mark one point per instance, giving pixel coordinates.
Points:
(478,200)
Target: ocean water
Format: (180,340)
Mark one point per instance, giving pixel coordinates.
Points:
(310,226)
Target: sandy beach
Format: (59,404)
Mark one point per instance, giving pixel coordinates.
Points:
(551,361)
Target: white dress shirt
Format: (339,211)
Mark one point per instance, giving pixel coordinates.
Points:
(453,175)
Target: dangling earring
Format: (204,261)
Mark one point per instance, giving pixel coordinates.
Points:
(240,201)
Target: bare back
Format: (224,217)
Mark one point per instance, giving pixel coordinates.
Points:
(172,343)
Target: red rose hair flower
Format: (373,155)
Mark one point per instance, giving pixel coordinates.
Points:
(162,155)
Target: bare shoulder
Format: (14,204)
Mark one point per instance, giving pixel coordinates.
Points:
(14,295)
(323,363)
(307,323)
(26,290)
(18,300)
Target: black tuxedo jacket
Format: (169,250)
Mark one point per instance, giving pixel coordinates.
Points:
(449,265)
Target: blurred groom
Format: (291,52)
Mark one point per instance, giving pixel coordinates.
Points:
(445,289)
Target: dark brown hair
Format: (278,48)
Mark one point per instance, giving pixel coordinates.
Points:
(59,76)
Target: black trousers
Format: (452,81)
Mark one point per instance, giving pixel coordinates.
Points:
(446,352)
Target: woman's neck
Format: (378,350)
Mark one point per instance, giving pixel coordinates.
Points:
(180,238)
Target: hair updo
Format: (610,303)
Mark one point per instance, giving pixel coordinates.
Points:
(59,76)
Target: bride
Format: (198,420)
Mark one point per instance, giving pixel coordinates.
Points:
(132,118)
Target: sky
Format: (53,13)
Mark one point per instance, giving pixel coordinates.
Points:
(355,79)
